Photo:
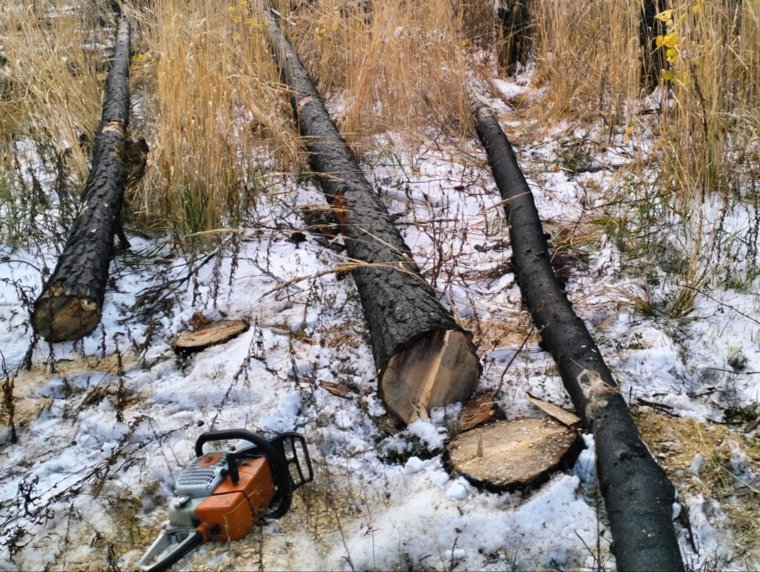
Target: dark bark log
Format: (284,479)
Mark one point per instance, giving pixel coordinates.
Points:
(637,493)
(424,358)
(69,306)
(515,19)
(652,58)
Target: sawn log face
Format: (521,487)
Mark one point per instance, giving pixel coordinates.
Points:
(636,491)
(70,304)
(400,307)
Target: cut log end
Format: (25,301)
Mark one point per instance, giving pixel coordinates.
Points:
(510,455)
(210,335)
(436,370)
(60,316)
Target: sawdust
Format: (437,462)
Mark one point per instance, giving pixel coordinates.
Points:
(27,401)
(677,442)
(101,545)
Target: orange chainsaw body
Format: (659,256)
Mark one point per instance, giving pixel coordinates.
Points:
(231,511)
(220,496)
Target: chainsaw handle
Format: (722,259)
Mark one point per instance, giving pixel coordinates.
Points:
(275,456)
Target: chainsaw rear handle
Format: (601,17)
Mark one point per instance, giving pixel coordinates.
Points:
(275,456)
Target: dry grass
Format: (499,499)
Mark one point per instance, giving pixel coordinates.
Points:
(587,54)
(706,131)
(393,66)
(676,442)
(710,127)
(701,129)
(50,89)
(215,107)
(52,78)
(208,99)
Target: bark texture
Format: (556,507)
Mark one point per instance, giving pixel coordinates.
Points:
(637,493)
(408,326)
(515,19)
(69,306)
(652,58)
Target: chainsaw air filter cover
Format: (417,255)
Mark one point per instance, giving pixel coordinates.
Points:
(202,476)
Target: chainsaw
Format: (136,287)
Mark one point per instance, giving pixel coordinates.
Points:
(220,495)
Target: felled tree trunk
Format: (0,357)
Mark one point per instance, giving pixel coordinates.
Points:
(424,358)
(515,19)
(653,59)
(637,493)
(70,304)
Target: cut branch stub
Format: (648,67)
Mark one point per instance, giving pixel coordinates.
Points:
(516,454)
(69,306)
(423,357)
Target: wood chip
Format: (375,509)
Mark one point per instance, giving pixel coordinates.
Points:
(478,411)
(210,335)
(337,389)
(516,454)
(555,412)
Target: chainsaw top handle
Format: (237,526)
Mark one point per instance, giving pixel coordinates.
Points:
(273,454)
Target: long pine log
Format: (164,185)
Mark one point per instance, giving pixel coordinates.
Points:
(423,357)
(637,493)
(71,301)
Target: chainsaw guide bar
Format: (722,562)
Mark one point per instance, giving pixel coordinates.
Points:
(222,494)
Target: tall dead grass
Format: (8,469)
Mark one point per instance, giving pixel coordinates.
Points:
(393,66)
(208,97)
(700,129)
(50,80)
(711,118)
(587,56)
(53,75)
(215,106)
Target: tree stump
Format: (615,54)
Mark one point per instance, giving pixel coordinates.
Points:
(514,16)
(517,454)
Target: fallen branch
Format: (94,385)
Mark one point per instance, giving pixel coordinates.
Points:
(70,304)
(637,493)
(424,358)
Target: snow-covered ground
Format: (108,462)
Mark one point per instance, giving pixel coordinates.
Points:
(105,425)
